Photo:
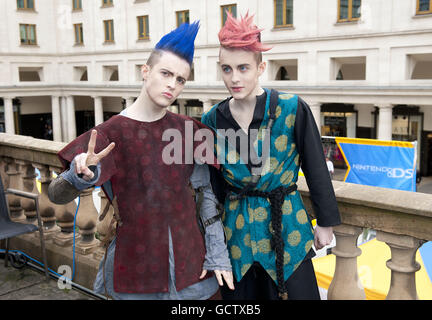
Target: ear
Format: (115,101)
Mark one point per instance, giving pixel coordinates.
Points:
(145,69)
(261,67)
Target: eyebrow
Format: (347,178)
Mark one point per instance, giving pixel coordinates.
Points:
(172,74)
(240,65)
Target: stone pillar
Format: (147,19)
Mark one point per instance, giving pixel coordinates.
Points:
(86,221)
(65,220)
(207,104)
(385,122)
(14,202)
(402,264)
(46,207)
(98,110)
(56,118)
(71,118)
(346,284)
(129,101)
(64,121)
(182,108)
(9,116)
(29,185)
(316,111)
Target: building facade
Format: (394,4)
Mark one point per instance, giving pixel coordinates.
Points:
(363,66)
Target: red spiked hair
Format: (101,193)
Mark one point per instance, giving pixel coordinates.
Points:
(241,34)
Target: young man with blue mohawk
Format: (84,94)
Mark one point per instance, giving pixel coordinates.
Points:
(158,251)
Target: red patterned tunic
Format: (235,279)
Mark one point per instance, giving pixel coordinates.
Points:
(151,196)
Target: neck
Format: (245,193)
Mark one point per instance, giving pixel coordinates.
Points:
(144,108)
(248,102)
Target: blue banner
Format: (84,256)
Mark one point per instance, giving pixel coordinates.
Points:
(387,164)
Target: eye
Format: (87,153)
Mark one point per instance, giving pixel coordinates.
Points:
(164,73)
(226,69)
(181,81)
(243,68)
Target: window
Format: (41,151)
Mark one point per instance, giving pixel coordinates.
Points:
(143,28)
(283,13)
(231,8)
(182,17)
(349,10)
(419,66)
(33,74)
(348,68)
(107,3)
(25,4)
(77,4)
(28,34)
(109,30)
(424,6)
(79,37)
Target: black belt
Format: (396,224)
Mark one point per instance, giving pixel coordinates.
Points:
(276,198)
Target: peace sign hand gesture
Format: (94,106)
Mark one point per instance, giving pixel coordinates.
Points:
(84,160)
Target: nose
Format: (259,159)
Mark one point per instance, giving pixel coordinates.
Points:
(235,77)
(171,83)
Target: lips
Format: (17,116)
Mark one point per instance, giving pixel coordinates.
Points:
(236,89)
(167,95)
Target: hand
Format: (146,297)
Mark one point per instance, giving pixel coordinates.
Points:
(227,275)
(323,237)
(84,160)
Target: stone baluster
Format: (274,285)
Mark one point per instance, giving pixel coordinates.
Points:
(15,208)
(65,220)
(346,284)
(402,264)
(46,207)
(3,174)
(29,185)
(86,221)
(103,226)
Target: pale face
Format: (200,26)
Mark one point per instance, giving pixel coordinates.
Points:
(165,80)
(240,72)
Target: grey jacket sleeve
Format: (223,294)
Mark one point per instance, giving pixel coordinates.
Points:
(68,185)
(216,257)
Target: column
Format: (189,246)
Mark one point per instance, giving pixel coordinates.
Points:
(346,284)
(316,111)
(385,122)
(403,265)
(207,104)
(71,118)
(129,101)
(98,110)
(9,116)
(182,108)
(64,122)
(56,118)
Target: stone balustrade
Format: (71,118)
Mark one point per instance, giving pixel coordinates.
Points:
(403,220)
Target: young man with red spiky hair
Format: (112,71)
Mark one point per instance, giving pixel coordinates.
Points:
(158,251)
(269,233)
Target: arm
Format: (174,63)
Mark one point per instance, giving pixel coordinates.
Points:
(313,164)
(216,257)
(68,185)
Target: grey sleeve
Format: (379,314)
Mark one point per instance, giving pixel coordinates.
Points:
(72,177)
(68,185)
(216,257)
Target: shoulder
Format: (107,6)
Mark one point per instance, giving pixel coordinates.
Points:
(209,115)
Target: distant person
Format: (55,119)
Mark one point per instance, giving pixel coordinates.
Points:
(330,167)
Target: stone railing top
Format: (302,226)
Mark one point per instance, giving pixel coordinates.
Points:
(389,210)
(30,149)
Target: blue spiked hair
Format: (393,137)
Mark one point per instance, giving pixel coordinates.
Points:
(180,41)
